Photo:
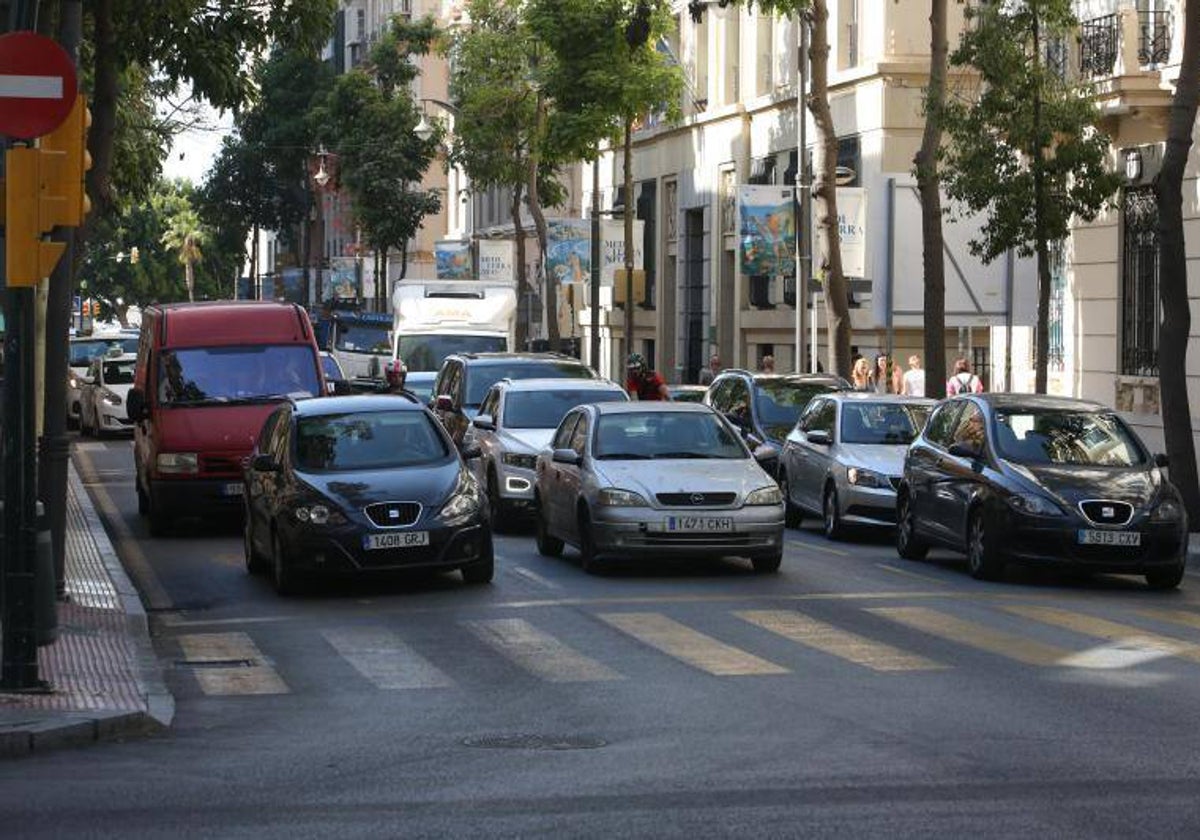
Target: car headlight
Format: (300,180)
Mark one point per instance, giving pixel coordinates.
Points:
(765,496)
(178,463)
(516,459)
(866,478)
(464,499)
(616,497)
(110,398)
(1034,505)
(72,382)
(318,514)
(1167,510)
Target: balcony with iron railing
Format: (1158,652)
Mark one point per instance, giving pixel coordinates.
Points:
(1125,58)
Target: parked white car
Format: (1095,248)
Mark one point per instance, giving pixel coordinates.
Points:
(104,390)
(80,353)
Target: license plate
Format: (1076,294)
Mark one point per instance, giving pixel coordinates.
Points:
(233,489)
(1131,538)
(405,539)
(695,524)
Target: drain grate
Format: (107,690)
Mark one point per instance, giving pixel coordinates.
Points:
(535,742)
(215,663)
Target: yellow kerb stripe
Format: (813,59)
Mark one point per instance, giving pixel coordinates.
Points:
(973,635)
(255,678)
(539,653)
(686,645)
(826,638)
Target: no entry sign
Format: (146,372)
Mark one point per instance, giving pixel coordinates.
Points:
(37,85)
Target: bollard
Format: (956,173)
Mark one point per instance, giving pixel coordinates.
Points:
(45,593)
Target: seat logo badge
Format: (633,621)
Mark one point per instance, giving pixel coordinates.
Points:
(1108,513)
(697,498)
(393,514)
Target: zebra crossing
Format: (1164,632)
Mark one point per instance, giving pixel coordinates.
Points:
(899,640)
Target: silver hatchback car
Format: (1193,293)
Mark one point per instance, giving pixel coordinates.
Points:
(655,479)
(844,459)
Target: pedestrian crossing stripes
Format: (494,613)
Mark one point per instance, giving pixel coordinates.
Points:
(231,663)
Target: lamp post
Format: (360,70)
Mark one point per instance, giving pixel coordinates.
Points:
(320,178)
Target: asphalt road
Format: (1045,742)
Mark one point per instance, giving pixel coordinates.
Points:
(854,694)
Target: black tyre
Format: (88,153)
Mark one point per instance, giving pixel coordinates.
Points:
(497,510)
(767,565)
(587,545)
(985,560)
(1166,578)
(143,501)
(482,570)
(255,562)
(908,544)
(159,520)
(792,515)
(832,517)
(547,545)
(284,576)
(84,429)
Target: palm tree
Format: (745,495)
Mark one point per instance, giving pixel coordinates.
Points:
(185,236)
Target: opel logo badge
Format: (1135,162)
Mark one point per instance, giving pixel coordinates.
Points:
(697,498)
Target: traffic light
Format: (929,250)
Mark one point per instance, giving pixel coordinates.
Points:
(67,175)
(30,211)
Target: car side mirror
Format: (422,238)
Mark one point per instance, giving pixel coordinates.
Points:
(471,451)
(1161,460)
(444,402)
(566,456)
(485,422)
(765,452)
(818,436)
(135,405)
(341,387)
(752,440)
(962,449)
(264,462)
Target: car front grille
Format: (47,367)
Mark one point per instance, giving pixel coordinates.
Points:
(393,514)
(705,541)
(696,499)
(221,463)
(1107,512)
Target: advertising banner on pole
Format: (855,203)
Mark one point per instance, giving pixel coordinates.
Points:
(612,237)
(453,260)
(569,249)
(767,230)
(342,280)
(496,260)
(852,229)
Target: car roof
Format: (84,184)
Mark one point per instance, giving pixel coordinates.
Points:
(121,357)
(1039,402)
(757,376)
(355,403)
(559,385)
(870,396)
(499,358)
(658,407)
(682,387)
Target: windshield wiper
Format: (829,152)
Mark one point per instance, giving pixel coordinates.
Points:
(682,455)
(623,456)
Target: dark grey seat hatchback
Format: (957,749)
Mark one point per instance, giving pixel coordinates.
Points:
(361,484)
(1018,478)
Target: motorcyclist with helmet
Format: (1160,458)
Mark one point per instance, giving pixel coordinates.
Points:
(643,383)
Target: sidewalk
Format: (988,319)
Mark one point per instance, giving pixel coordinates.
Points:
(105,679)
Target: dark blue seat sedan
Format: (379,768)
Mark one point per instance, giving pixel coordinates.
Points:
(361,484)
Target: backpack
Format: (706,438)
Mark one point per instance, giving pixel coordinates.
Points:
(973,385)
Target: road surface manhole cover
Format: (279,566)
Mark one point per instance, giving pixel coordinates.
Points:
(535,742)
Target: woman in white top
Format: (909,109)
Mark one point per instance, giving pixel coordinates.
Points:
(914,378)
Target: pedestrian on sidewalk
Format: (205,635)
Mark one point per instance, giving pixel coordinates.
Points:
(914,378)
(963,381)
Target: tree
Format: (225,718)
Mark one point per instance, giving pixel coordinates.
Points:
(184,236)
(1024,149)
(815,14)
(1173,278)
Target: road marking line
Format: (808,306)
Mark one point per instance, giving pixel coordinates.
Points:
(1187,619)
(381,657)
(128,549)
(534,577)
(538,652)
(1125,653)
(230,558)
(973,635)
(173,620)
(844,644)
(689,646)
(256,678)
(1105,629)
(817,546)
(914,575)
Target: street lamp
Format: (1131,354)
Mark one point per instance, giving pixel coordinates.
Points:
(321,177)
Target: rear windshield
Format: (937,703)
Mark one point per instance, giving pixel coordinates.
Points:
(546,409)
(240,374)
(780,401)
(881,422)
(427,352)
(363,338)
(1066,437)
(482,377)
(83,351)
(119,373)
(373,440)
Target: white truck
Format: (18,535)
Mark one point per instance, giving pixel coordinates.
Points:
(434,318)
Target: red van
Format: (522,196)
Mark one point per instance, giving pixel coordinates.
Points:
(208,374)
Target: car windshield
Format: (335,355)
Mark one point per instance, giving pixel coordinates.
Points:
(687,394)
(482,377)
(546,409)
(211,375)
(882,422)
(355,337)
(1066,437)
(427,352)
(82,352)
(780,401)
(119,373)
(665,435)
(369,440)
(333,370)
(420,386)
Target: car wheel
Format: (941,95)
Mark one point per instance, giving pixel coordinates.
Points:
(159,519)
(984,558)
(767,565)
(484,569)
(908,544)
(84,429)
(547,545)
(72,421)
(834,529)
(143,501)
(255,563)
(792,515)
(1168,578)
(495,504)
(97,428)
(285,578)
(587,545)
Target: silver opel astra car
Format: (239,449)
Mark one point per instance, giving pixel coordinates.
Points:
(844,459)
(655,479)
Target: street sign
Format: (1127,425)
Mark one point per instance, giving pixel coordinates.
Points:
(37,85)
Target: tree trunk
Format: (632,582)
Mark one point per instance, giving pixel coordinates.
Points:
(1172,287)
(381,279)
(190,279)
(837,305)
(103,105)
(255,291)
(546,283)
(627,217)
(929,186)
(521,334)
(306,230)
(1039,214)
